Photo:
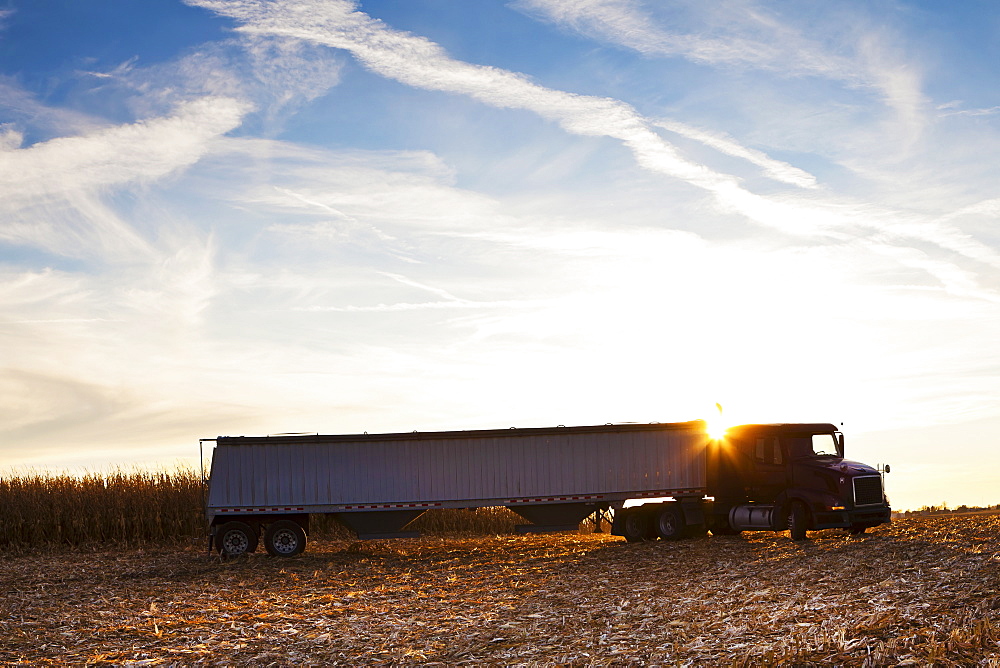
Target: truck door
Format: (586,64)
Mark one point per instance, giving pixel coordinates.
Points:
(769,474)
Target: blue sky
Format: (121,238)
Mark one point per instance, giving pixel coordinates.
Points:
(256,217)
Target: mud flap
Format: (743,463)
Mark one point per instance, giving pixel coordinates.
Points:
(694,514)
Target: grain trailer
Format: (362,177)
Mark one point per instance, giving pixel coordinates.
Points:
(376,484)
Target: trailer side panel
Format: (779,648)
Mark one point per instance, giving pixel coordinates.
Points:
(470,468)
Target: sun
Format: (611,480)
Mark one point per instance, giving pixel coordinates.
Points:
(716,425)
(716,429)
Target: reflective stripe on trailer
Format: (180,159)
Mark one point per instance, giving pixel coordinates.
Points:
(587,497)
(667,492)
(259,510)
(393,505)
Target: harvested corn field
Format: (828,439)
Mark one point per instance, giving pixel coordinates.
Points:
(920,591)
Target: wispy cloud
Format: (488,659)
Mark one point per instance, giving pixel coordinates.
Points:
(780,171)
(744,34)
(951,109)
(421,63)
(88,337)
(417,61)
(119,72)
(71,175)
(415,306)
(734,33)
(23,108)
(448,301)
(114,156)
(989,207)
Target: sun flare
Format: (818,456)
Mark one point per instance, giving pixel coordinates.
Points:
(716,429)
(716,425)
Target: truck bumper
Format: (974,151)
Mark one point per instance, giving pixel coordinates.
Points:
(868,516)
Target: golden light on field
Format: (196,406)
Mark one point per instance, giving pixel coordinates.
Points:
(492,599)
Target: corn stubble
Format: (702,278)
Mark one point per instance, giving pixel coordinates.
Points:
(922,591)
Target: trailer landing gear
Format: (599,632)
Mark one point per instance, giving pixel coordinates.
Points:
(601,515)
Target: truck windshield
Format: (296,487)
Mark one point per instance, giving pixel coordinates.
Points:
(811,445)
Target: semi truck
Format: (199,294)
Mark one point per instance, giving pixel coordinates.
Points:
(658,481)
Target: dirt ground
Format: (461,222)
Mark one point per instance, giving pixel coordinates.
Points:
(920,591)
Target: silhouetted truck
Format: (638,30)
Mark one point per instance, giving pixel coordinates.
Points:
(663,481)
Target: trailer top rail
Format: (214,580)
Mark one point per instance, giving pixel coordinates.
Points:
(294,439)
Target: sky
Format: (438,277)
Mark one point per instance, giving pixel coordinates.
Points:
(224,217)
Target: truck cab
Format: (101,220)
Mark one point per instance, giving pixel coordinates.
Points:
(792,476)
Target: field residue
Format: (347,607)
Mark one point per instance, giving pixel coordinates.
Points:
(920,591)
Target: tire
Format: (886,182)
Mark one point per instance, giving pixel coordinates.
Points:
(635,525)
(234,539)
(284,538)
(857,531)
(797,520)
(669,523)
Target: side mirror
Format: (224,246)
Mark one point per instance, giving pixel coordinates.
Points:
(887,469)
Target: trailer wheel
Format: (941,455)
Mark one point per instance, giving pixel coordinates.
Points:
(235,538)
(635,525)
(669,523)
(797,518)
(284,538)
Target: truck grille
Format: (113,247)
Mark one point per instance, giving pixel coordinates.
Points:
(867,490)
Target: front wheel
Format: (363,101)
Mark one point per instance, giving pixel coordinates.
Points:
(284,538)
(797,518)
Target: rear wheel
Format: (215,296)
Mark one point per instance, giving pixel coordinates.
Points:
(284,538)
(669,523)
(797,519)
(635,525)
(235,538)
